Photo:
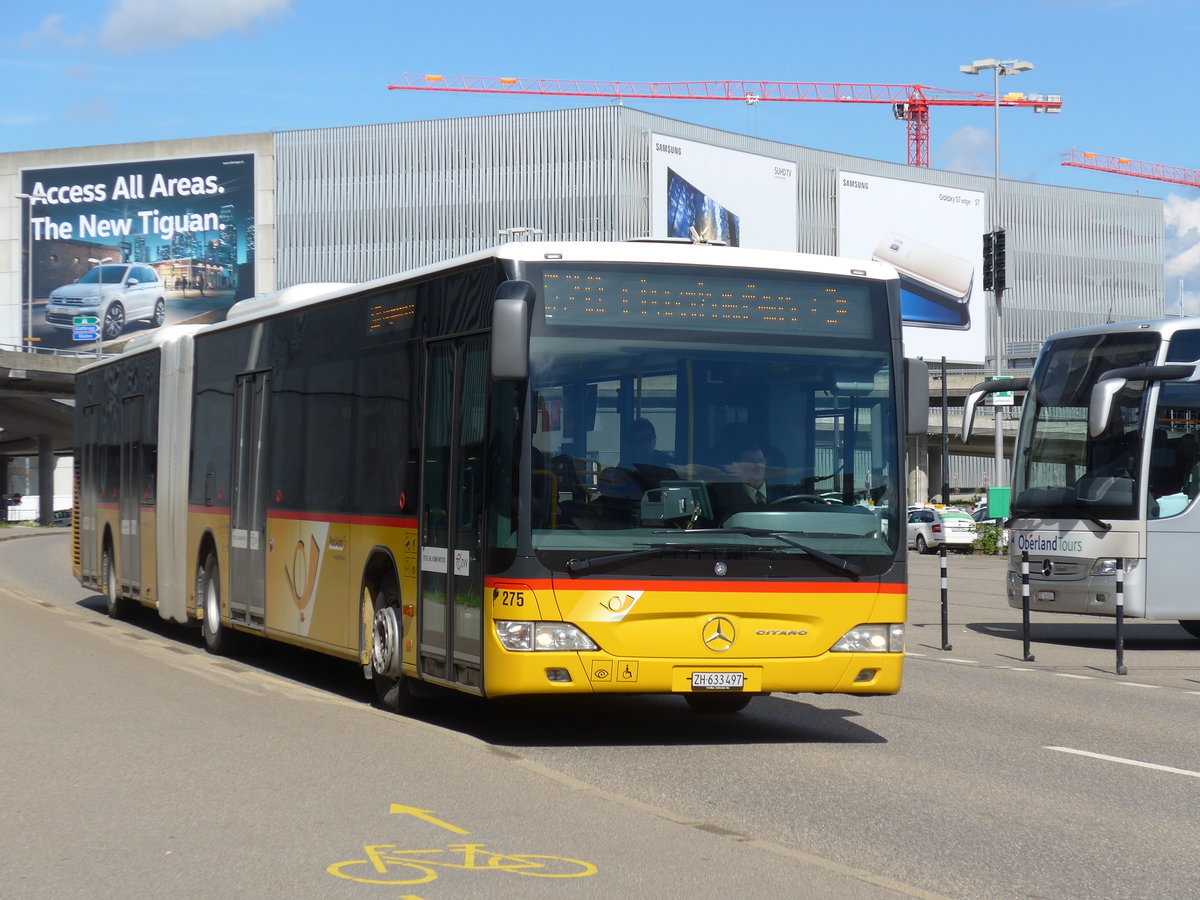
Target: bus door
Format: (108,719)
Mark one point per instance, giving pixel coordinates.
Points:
(130,490)
(450,607)
(90,487)
(247,513)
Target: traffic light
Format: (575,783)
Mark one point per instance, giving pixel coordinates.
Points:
(998,261)
(988,262)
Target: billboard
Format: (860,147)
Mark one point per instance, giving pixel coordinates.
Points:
(933,235)
(134,244)
(742,199)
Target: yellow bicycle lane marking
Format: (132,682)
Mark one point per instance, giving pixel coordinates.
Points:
(386,859)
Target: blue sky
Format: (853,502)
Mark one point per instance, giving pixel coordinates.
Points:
(83,72)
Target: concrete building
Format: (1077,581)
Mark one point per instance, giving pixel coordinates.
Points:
(358,202)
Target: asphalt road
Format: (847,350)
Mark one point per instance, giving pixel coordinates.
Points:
(136,765)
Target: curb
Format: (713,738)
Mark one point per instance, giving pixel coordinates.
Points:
(23,531)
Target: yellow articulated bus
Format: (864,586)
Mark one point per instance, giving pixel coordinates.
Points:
(639,467)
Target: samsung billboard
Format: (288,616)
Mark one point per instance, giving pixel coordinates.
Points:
(933,235)
(711,193)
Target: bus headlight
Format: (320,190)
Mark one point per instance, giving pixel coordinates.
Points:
(1109,566)
(872,639)
(542,636)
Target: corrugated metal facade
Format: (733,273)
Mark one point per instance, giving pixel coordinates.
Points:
(360,202)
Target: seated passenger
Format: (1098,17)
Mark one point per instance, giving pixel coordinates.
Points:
(642,465)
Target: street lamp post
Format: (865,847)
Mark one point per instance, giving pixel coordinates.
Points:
(998,67)
(99,263)
(28,199)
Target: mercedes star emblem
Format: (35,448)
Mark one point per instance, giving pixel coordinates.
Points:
(718,634)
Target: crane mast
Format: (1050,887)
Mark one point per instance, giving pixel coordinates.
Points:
(910,102)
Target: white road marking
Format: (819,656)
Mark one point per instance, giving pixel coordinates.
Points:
(1135,684)
(1127,762)
(1069,675)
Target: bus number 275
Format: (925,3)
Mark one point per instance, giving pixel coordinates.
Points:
(505,597)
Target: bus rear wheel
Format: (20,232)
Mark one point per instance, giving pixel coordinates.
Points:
(1191,626)
(217,639)
(118,607)
(392,689)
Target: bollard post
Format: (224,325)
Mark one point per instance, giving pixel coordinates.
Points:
(1121,670)
(1026,655)
(945,600)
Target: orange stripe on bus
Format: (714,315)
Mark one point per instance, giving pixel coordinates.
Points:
(759,587)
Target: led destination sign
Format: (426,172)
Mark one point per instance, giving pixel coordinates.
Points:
(712,300)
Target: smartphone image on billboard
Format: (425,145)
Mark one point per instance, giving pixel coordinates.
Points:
(935,286)
(689,207)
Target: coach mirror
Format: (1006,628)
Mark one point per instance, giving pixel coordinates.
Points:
(1111,383)
(981,390)
(510,331)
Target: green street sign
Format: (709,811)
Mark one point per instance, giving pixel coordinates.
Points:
(86,320)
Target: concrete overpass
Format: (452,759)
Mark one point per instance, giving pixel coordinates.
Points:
(37,392)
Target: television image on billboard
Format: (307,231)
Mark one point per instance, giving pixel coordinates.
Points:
(689,208)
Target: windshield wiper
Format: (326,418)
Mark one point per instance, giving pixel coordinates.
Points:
(1059,507)
(575,566)
(835,562)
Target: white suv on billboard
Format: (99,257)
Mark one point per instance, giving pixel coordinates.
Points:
(114,293)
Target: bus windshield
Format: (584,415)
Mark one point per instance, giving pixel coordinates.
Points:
(683,441)
(1061,470)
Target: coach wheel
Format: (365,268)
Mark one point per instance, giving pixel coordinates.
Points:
(1191,626)
(718,702)
(392,689)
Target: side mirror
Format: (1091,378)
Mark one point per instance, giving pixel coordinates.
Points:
(916,396)
(1105,390)
(980,391)
(510,330)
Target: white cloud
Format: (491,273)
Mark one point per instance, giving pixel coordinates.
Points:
(1181,251)
(137,24)
(50,33)
(969,150)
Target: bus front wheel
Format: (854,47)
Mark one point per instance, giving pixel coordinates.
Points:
(392,688)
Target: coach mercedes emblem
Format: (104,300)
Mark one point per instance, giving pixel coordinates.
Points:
(718,634)
(1047,568)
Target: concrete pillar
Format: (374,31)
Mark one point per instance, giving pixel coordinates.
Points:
(45,485)
(918,468)
(936,474)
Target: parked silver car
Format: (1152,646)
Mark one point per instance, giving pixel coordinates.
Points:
(929,528)
(114,294)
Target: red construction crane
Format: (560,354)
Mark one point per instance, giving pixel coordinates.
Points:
(910,102)
(1123,166)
